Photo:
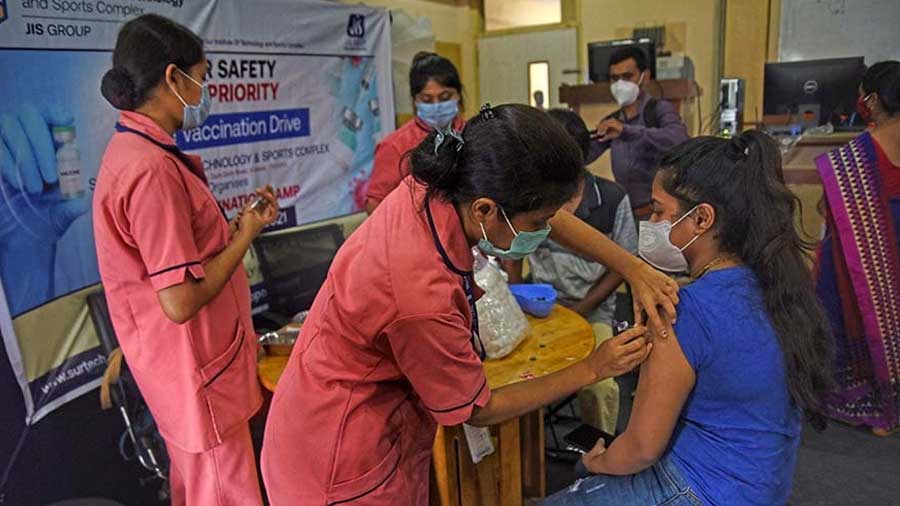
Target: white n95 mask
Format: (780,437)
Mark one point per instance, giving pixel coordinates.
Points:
(626,92)
(655,246)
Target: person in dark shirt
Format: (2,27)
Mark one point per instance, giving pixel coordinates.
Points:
(640,132)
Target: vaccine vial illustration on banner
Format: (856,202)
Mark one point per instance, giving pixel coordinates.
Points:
(43,192)
(68,162)
(359,125)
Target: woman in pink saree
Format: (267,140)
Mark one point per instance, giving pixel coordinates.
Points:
(858,271)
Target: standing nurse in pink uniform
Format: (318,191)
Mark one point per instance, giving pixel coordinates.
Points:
(171,267)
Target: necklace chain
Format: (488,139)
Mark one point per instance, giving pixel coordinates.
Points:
(716,261)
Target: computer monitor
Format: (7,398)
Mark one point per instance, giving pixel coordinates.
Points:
(294,265)
(600,52)
(815,92)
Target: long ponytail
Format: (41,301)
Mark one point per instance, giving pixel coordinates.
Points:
(743,180)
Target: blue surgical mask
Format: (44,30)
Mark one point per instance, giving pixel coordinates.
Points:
(194,115)
(523,244)
(439,114)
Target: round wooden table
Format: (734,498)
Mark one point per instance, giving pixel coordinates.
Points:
(556,342)
(270,369)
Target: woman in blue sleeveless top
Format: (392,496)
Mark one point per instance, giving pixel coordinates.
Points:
(718,409)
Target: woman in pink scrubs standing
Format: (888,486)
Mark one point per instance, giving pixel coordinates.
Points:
(171,267)
(390,348)
(436,91)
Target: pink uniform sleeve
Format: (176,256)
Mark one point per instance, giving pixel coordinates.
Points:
(387,172)
(158,210)
(435,353)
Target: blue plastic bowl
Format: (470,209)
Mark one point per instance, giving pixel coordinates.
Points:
(535,299)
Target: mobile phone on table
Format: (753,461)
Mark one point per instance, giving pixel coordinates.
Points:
(584,438)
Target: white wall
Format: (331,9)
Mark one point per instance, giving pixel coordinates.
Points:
(505,14)
(817,29)
(505,58)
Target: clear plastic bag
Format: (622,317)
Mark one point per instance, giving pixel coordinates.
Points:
(501,323)
(787,144)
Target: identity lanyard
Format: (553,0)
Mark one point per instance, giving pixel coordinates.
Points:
(174,151)
(468,281)
(468,286)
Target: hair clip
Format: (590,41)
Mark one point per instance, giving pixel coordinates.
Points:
(487,112)
(442,135)
(438,140)
(740,146)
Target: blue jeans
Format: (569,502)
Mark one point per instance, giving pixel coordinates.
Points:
(660,485)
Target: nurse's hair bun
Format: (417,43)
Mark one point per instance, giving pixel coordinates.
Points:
(145,47)
(437,165)
(118,89)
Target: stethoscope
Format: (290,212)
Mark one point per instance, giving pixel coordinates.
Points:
(468,279)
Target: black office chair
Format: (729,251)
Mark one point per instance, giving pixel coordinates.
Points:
(294,266)
(120,391)
(628,381)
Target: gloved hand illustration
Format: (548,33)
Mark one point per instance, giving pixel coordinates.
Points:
(33,213)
